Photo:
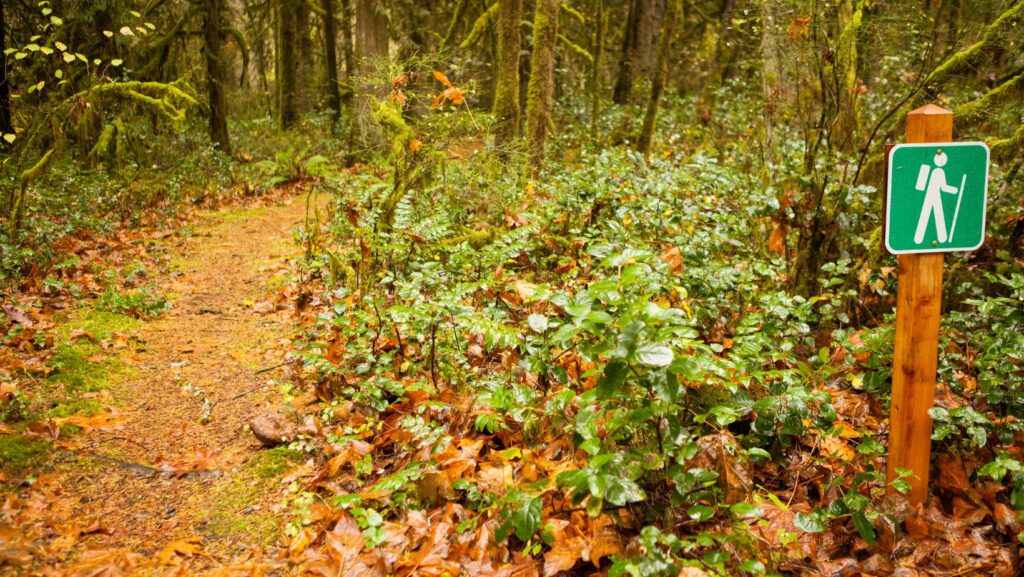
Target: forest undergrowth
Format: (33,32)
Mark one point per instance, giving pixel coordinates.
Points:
(605,370)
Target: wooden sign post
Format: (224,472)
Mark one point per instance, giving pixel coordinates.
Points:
(916,350)
(935,199)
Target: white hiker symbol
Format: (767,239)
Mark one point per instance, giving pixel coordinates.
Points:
(933,183)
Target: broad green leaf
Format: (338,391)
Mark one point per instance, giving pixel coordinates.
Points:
(539,323)
(864,527)
(745,510)
(622,490)
(752,566)
(612,379)
(655,355)
(700,513)
(809,522)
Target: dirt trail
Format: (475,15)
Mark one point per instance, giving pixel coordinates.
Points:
(222,328)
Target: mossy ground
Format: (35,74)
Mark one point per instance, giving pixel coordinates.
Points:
(240,508)
(77,366)
(80,368)
(20,453)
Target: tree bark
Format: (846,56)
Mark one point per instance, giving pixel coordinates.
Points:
(595,71)
(847,123)
(216,75)
(372,40)
(6,127)
(305,75)
(287,82)
(333,98)
(658,80)
(348,50)
(639,41)
(541,86)
(506,93)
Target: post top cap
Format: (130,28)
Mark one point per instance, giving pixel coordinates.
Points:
(930,109)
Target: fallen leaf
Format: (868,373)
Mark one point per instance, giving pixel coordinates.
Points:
(187,547)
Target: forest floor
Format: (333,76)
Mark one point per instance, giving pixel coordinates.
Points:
(168,474)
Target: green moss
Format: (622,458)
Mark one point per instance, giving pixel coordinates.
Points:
(72,369)
(237,215)
(235,509)
(100,324)
(76,373)
(273,462)
(18,453)
(76,406)
(275,282)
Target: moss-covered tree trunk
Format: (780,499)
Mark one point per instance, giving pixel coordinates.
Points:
(847,124)
(216,73)
(658,80)
(597,50)
(506,93)
(720,66)
(540,89)
(332,97)
(286,65)
(372,40)
(348,50)
(5,87)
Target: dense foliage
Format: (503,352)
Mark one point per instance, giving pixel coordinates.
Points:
(644,348)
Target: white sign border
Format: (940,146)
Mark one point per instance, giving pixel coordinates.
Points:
(888,196)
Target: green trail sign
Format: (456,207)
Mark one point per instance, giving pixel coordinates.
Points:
(935,197)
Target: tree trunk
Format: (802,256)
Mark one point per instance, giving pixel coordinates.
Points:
(775,81)
(216,76)
(5,87)
(541,87)
(287,83)
(305,75)
(332,97)
(506,93)
(847,124)
(595,71)
(348,50)
(658,80)
(639,41)
(372,41)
